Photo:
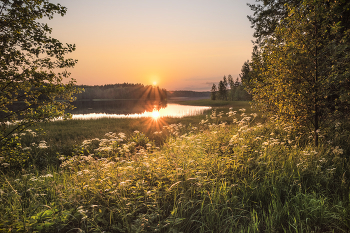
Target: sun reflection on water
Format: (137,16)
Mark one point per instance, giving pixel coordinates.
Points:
(172,110)
(155,114)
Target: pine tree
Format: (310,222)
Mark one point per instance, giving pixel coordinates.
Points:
(213,92)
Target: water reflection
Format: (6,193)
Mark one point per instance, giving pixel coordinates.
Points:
(122,107)
(171,110)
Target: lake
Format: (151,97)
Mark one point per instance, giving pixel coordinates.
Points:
(132,109)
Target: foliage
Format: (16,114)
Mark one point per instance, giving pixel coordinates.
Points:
(235,93)
(191,94)
(300,66)
(222,90)
(29,88)
(213,92)
(243,177)
(122,91)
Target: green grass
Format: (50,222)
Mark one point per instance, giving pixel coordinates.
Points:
(63,136)
(246,176)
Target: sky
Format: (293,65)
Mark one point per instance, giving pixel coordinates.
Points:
(175,44)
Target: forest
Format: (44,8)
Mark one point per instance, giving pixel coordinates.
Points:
(122,91)
(227,89)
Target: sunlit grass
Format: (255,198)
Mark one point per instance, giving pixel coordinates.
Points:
(229,173)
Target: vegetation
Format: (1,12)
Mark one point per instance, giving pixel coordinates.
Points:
(122,91)
(62,137)
(233,171)
(190,94)
(300,65)
(29,88)
(235,93)
(234,176)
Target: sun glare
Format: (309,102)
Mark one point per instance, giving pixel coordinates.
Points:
(154,83)
(155,114)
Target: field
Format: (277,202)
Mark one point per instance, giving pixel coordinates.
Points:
(231,171)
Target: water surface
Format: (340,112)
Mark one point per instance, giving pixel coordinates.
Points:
(155,111)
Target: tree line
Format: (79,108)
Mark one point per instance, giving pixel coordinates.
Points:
(228,89)
(191,94)
(122,91)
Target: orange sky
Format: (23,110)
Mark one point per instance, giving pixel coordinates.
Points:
(181,45)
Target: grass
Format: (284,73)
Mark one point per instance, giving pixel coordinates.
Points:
(63,136)
(238,176)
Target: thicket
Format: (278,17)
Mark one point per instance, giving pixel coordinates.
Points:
(300,68)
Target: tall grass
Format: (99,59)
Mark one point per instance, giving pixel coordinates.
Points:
(215,177)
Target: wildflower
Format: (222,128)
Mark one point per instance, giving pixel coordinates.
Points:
(337,150)
(86,142)
(121,135)
(337,124)
(82,211)
(136,131)
(46,176)
(1,192)
(42,145)
(5,164)
(306,153)
(242,110)
(27,148)
(33,179)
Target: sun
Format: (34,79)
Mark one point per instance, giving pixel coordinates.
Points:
(155,114)
(154,83)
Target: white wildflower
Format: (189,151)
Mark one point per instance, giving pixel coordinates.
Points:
(337,150)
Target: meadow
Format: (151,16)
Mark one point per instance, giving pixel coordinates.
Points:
(229,171)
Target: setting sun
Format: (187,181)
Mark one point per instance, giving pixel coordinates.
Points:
(155,114)
(154,83)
